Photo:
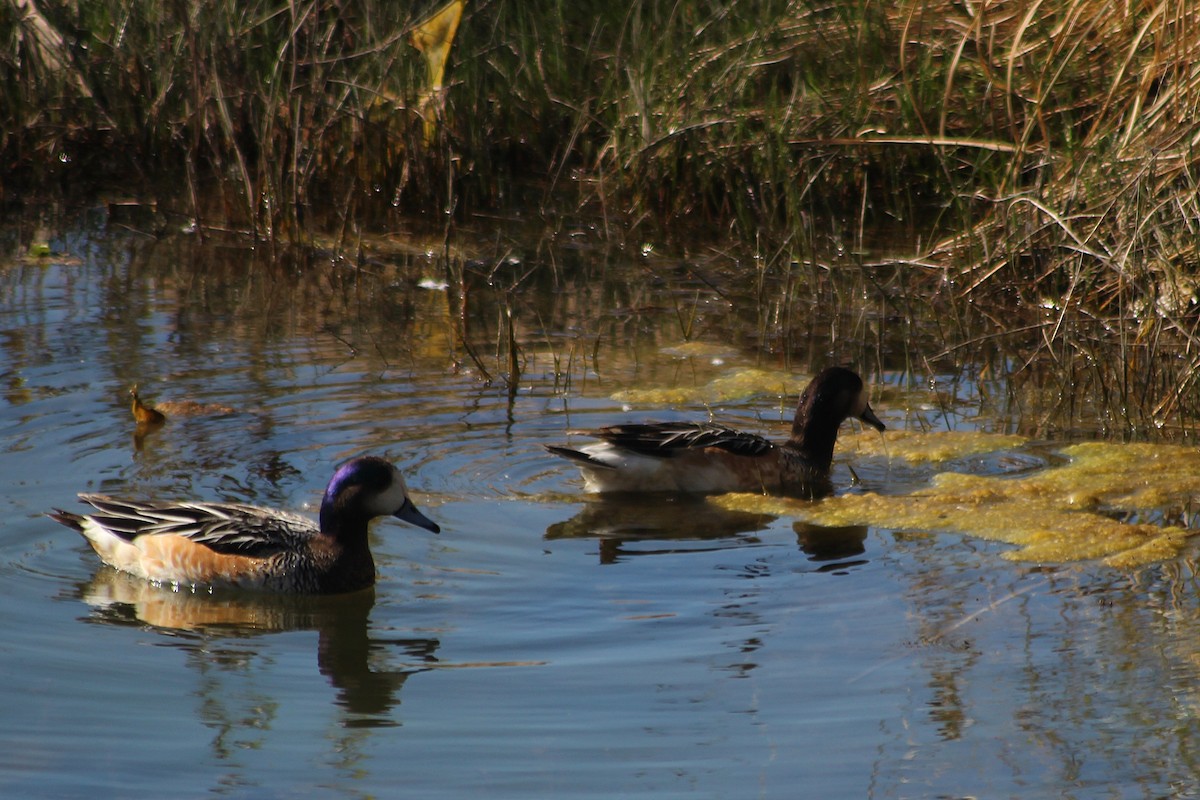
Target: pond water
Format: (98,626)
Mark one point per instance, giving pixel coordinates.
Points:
(545,644)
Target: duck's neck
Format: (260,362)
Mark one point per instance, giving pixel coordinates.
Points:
(343,526)
(814,437)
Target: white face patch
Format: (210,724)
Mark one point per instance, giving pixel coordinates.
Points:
(392,499)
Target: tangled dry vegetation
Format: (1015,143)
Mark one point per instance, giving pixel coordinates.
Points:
(1053,145)
(1095,219)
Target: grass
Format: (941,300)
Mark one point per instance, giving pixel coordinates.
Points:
(1052,145)
(741,115)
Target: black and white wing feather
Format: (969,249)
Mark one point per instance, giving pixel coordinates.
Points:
(227,528)
(674,438)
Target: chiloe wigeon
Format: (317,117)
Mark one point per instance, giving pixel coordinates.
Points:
(701,457)
(232,544)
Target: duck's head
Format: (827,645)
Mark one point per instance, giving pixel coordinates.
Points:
(144,414)
(369,487)
(834,395)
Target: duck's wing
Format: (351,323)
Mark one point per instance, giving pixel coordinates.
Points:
(226,528)
(674,438)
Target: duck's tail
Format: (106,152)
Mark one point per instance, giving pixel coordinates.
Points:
(578,456)
(74,521)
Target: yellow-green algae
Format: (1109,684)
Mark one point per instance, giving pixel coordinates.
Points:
(703,350)
(918,448)
(1046,515)
(734,386)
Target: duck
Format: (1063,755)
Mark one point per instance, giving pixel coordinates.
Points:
(142,413)
(207,544)
(153,416)
(709,458)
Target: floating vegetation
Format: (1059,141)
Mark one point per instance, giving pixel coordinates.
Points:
(1066,513)
(714,353)
(918,447)
(734,386)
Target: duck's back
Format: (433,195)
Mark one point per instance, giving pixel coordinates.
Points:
(697,458)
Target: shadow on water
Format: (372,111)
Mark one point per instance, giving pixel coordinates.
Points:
(362,668)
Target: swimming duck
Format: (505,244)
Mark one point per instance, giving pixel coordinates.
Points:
(703,457)
(216,544)
(152,416)
(144,414)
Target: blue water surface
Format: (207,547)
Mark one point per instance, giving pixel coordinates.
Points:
(545,644)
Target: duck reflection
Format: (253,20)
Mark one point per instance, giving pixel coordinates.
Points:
(617,520)
(354,663)
(838,545)
(140,431)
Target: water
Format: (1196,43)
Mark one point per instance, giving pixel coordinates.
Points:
(542,645)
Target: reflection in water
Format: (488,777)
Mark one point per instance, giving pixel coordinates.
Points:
(835,544)
(619,519)
(168,458)
(140,431)
(355,663)
(1122,643)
